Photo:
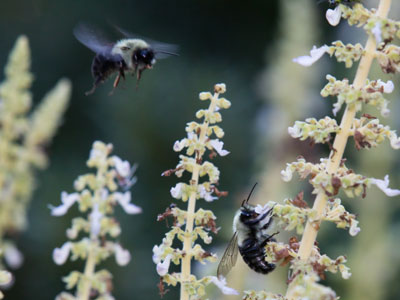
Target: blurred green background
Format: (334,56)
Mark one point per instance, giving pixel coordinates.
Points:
(234,42)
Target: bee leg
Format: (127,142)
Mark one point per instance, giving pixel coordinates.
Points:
(269,239)
(95,85)
(116,82)
(138,76)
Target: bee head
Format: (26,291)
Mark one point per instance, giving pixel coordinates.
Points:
(247,211)
(144,57)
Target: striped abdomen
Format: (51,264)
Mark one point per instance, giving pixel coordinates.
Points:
(253,237)
(254,256)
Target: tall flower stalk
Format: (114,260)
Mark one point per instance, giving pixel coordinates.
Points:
(331,175)
(198,223)
(23,137)
(96,194)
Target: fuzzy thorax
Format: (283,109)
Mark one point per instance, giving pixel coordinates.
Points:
(250,224)
(127,47)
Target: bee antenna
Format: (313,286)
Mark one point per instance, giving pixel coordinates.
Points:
(251,192)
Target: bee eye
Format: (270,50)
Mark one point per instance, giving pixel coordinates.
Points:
(125,48)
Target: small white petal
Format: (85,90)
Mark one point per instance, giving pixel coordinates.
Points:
(376,31)
(345,271)
(179,145)
(388,87)
(157,251)
(315,54)
(176,191)
(294,132)
(13,256)
(286,175)
(123,167)
(95,220)
(383,185)
(163,267)
(205,194)
(122,256)
(221,284)
(60,255)
(333,16)
(124,200)
(354,230)
(262,209)
(394,141)
(67,201)
(217,145)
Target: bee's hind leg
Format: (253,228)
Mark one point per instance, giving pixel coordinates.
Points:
(95,85)
(138,76)
(117,80)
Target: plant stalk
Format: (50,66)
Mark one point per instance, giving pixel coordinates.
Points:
(187,243)
(84,292)
(339,145)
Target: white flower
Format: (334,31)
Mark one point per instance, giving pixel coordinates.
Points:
(206,195)
(123,167)
(294,132)
(60,255)
(162,267)
(384,186)
(394,141)
(179,145)
(67,201)
(388,87)
(345,271)
(122,256)
(124,200)
(217,145)
(354,229)
(176,191)
(13,256)
(95,220)
(262,209)
(315,54)
(286,175)
(221,284)
(376,31)
(157,252)
(333,15)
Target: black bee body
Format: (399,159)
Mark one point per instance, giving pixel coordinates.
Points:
(252,238)
(250,226)
(103,67)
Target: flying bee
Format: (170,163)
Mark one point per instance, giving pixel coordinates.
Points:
(129,55)
(249,238)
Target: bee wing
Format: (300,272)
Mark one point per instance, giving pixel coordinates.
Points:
(161,50)
(93,39)
(229,258)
